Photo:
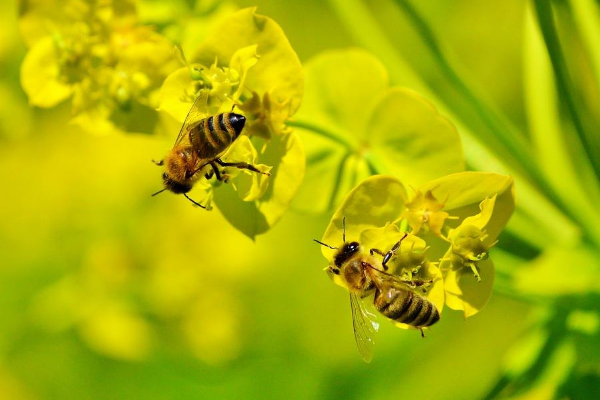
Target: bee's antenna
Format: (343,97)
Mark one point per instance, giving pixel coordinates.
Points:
(344,229)
(187,197)
(326,245)
(160,191)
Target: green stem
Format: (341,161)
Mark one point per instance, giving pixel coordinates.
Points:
(374,166)
(513,141)
(588,138)
(501,130)
(338,180)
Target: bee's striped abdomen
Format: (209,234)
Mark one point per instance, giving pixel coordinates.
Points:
(213,135)
(406,307)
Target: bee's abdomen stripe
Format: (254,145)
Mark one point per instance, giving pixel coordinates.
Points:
(433,318)
(211,124)
(398,308)
(222,129)
(220,137)
(208,134)
(413,311)
(228,126)
(220,133)
(222,124)
(425,313)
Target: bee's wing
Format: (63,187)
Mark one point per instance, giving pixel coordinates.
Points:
(198,111)
(365,326)
(402,284)
(390,279)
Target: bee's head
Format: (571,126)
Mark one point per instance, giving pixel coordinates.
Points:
(348,250)
(237,122)
(174,186)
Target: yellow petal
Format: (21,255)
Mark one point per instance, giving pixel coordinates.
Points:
(117,333)
(286,156)
(374,202)
(278,69)
(464,292)
(249,185)
(40,76)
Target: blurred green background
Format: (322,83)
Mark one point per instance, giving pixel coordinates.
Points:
(107,293)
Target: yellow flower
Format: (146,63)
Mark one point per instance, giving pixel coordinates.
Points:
(424,211)
(98,55)
(254,68)
(376,210)
(468,248)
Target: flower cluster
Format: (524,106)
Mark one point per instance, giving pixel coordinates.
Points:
(99,55)
(357,129)
(255,69)
(450,253)
(118,72)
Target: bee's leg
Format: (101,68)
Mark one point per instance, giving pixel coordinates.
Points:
(422,333)
(415,283)
(216,171)
(241,165)
(374,251)
(381,253)
(209,174)
(159,163)
(194,201)
(392,252)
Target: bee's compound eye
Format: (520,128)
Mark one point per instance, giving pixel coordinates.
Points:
(353,247)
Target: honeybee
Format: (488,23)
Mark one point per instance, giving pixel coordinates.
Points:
(365,275)
(202,140)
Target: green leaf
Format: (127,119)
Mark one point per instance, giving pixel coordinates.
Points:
(40,75)
(582,385)
(411,139)
(342,87)
(286,156)
(367,128)
(560,271)
(523,355)
(565,164)
(582,127)
(587,17)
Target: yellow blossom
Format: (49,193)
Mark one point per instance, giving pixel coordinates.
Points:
(425,212)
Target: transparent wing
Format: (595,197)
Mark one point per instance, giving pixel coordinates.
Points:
(365,326)
(394,280)
(198,111)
